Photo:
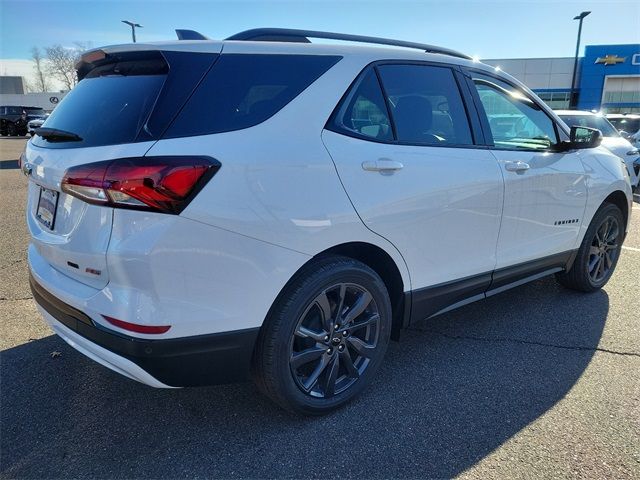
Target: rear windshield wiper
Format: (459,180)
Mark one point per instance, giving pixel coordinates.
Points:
(55,135)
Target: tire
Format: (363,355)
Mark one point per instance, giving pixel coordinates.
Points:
(599,252)
(11,130)
(340,353)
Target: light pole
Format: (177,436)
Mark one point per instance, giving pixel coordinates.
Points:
(572,98)
(133,26)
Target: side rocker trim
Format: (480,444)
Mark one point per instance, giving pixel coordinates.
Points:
(431,301)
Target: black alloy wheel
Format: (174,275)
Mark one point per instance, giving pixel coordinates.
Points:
(599,252)
(325,336)
(604,250)
(334,340)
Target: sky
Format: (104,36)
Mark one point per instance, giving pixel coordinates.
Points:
(488,29)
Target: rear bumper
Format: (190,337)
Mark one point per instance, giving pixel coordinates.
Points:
(175,362)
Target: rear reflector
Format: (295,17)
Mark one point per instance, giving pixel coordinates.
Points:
(161,184)
(134,327)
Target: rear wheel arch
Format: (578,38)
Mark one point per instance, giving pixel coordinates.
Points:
(384,265)
(375,258)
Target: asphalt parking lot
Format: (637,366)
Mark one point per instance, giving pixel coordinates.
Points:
(535,382)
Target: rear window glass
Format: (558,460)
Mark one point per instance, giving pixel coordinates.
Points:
(244,90)
(105,110)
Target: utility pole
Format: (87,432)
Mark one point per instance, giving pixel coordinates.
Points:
(133,26)
(573,97)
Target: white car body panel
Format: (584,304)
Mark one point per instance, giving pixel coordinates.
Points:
(286,194)
(169,270)
(439,189)
(622,147)
(553,189)
(605,174)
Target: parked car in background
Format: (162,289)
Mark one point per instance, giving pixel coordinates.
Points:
(325,198)
(628,124)
(36,123)
(612,139)
(14,119)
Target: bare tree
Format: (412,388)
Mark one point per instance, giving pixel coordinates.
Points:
(29,86)
(41,83)
(61,63)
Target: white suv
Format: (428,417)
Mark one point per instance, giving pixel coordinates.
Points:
(201,211)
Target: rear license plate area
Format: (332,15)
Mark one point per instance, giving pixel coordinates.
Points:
(47,206)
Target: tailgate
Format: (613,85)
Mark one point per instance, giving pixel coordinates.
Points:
(74,240)
(126,98)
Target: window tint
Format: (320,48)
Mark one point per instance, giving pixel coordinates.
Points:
(241,91)
(426,105)
(364,111)
(516,122)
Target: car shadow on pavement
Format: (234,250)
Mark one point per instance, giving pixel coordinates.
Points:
(454,389)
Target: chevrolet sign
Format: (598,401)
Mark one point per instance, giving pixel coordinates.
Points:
(610,60)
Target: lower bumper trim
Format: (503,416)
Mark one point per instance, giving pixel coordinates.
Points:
(178,362)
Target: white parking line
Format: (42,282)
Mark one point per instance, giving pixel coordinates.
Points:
(633,249)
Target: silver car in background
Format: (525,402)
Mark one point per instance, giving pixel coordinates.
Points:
(628,124)
(612,139)
(36,123)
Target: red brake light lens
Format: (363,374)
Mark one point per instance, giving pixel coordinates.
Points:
(162,184)
(134,327)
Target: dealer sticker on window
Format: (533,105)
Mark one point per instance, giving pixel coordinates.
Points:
(47,204)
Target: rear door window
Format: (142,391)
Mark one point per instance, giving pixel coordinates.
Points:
(426,105)
(243,90)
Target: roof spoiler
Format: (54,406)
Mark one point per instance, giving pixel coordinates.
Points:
(189,35)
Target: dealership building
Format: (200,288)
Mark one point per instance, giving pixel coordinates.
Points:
(607,78)
(13,93)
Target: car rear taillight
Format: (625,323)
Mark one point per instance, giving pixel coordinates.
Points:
(160,184)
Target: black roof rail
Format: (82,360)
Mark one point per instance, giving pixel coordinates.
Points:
(189,35)
(293,35)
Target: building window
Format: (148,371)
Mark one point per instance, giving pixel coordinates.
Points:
(555,100)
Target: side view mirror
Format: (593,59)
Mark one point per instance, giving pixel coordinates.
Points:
(624,134)
(584,137)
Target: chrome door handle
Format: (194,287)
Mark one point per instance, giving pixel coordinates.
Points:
(518,167)
(382,165)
